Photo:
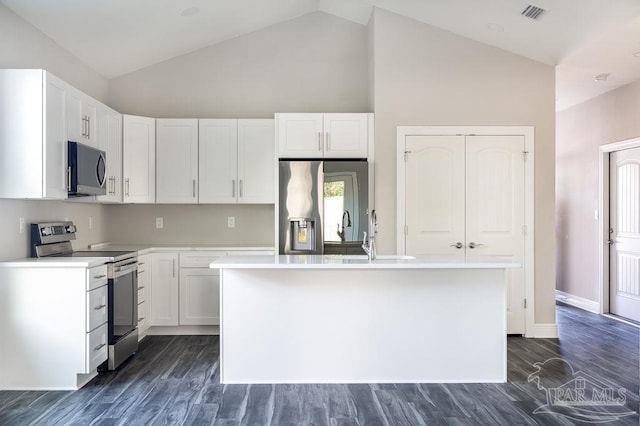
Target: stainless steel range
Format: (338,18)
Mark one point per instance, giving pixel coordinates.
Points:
(54,239)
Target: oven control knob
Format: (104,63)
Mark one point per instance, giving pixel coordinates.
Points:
(71,229)
(46,231)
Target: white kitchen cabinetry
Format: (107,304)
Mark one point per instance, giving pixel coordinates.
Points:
(164,290)
(237,161)
(54,326)
(139,159)
(144,286)
(33,145)
(82,117)
(177,161)
(199,288)
(323,135)
(110,140)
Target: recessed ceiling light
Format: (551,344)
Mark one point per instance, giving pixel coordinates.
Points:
(602,77)
(495,27)
(190,11)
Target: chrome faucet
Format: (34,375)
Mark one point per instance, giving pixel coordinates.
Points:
(369,246)
(341,232)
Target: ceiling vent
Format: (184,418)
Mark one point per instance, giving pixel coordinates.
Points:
(533,12)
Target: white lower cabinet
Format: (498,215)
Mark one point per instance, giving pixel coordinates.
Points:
(164,290)
(54,332)
(144,286)
(199,296)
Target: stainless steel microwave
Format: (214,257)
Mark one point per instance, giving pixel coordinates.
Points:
(87,170)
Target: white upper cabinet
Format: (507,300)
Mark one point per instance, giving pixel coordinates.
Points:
(323,135)
(256,162)
(300,135)
(109,134)
(218,161)
(82,117)
(138,159)
(177,160)
(237,161)
(33,146)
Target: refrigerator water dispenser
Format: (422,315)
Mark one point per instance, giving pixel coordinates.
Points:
(303,234)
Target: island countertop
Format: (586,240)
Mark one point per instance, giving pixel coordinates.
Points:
(358,262)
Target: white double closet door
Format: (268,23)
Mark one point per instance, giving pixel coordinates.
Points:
(624,222)
(464,198)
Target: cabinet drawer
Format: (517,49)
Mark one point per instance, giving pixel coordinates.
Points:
(199,259)
(96,350)
(142,290)
(96,277)
(97,312)
(142,316)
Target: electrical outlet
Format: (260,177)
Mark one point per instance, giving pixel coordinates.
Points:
(90,222)
(22,225)
(231,222)
(159,223)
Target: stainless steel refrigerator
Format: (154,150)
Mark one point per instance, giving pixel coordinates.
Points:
(322,203)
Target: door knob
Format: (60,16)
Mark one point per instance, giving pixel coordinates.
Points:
(457,245)
(473,245)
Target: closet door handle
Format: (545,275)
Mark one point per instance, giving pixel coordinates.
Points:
(457,245)
(473,245)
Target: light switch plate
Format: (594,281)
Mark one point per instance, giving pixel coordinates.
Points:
(231,222)
(159,223)
(21,225)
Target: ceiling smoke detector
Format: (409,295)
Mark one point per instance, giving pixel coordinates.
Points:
(533,12)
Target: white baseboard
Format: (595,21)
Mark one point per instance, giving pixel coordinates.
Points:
(184,330)
(545,331)
(578,302)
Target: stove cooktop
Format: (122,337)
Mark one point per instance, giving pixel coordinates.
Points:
(114,255)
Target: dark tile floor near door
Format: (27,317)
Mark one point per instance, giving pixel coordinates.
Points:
(175,380)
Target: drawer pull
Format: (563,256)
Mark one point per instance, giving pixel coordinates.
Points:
(140,263)
(97,277)
(100,346)
(141,287)
(140,319)
(97,308)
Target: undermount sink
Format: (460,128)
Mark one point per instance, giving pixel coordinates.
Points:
(364,257)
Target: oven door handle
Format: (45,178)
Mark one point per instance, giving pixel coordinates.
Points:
(121,270)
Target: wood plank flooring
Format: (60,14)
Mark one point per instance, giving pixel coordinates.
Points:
(174,380)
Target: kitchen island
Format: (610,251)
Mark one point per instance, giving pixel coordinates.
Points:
(345,319)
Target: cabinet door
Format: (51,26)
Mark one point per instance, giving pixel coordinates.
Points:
(218,169)
(176,160)
(139,159)
(256,161)
(199,296)
(73,115)
(89,121)
(345,135)
(299,135)
(110,140)
(164,290)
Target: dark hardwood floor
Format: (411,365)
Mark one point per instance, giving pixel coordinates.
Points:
(175,380)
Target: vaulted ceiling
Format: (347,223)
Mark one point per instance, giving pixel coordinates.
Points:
(581,38)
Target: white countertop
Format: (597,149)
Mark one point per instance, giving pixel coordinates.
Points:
(55,262)
(353,262)
(149,248)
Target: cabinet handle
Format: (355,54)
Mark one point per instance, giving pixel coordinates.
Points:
(140,319)
(83,126)
(97,308)
(88,127)
(100,346)
(241,188)
(113,185)
(126,186)
(140,263)
(194,188)
(326,141)
(173,266)
(141,287)
(97,277)
(68,178)
(233,188)
(320,141)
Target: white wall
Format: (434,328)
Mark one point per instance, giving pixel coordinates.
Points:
(581,130)
(314,63)
(22,46)
(427,76)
